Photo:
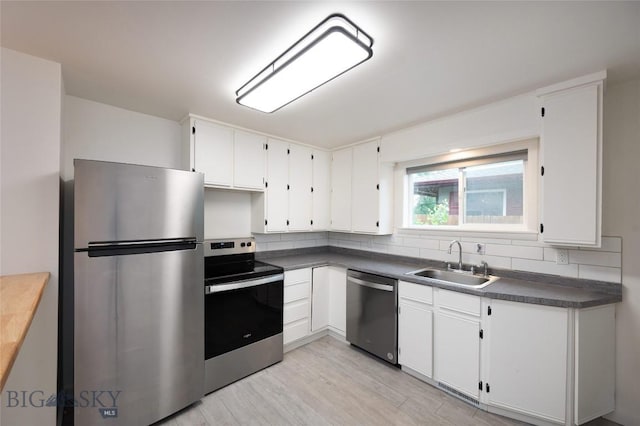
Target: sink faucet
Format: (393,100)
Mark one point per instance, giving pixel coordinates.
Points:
(460,249)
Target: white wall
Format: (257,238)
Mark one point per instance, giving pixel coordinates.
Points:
(29,210)
(621,216)
(227,214)
(512,119)
(98,131)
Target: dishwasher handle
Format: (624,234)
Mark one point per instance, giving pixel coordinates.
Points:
(377,286)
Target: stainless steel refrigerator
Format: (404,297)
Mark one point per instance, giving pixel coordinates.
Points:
(138,292)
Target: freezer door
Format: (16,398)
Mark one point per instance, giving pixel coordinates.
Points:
(124,202)
(139,336)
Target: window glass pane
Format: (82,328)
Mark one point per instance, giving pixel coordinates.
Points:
(494,193)
(434,197)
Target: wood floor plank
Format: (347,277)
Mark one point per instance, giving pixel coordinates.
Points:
(329,382)
(216,413)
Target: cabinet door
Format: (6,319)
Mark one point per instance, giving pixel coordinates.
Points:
(528,359)
(300,178)
(213,145)
(248,160)
(415,336)
(365,213)
(341,189)
(320,290)
(276,187)
(570,150)
(457,352)
(321,190)
(338,300)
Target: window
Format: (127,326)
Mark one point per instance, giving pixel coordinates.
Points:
(486,192)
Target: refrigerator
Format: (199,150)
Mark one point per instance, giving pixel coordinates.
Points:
(138,292)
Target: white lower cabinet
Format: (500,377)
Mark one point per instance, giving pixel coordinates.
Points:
(415,327)
(314,300)
(528,359)
(457,335)
(329,299)
(296,318)
(338,300)
(320,298)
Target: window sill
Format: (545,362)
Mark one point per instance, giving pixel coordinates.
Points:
(523,235)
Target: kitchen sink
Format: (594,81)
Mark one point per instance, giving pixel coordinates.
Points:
(461,278)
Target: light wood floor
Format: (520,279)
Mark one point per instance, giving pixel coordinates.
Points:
(327,382)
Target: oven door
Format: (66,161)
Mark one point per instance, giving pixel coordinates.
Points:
(242,312)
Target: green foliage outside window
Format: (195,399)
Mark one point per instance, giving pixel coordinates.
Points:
(428,212)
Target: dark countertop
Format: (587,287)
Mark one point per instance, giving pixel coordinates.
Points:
(534,288)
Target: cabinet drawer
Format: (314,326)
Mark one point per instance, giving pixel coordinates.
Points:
(295,331)
(297,291)
(460,302)
(420,293)
(297,276)
(295,311)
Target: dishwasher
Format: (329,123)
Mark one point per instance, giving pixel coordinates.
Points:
(372,320)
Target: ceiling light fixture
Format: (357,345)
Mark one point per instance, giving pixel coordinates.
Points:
(330,49)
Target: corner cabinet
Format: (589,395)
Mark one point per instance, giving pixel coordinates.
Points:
(229,158)
(571,161)
(362,190)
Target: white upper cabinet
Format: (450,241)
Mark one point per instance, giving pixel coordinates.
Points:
(341,166)
(361,199)
(321,194)
(276,193)
(213,152)
(228,157)
(365,186)
(248,160)
(288,203)
(300,168)
(571,165)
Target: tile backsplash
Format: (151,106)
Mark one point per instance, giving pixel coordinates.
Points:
(602,264)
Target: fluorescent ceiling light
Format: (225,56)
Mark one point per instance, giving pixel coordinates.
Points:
(330,49)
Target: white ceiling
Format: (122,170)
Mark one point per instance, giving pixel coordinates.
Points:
(430,58)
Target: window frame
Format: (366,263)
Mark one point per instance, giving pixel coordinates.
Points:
(530,188)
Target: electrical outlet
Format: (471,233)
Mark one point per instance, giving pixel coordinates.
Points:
(480,248)
(562,256)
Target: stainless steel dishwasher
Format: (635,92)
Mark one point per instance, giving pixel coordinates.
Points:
(372,320)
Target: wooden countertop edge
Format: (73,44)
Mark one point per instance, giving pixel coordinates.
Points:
(19,301)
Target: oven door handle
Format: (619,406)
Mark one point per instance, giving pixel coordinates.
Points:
(369,284)
(210,289)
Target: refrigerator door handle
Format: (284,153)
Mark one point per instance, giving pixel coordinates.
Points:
(122,248)
(129,243)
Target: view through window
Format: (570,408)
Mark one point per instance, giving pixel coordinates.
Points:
(491,192)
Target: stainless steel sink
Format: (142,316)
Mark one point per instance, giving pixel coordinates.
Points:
(465,279)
